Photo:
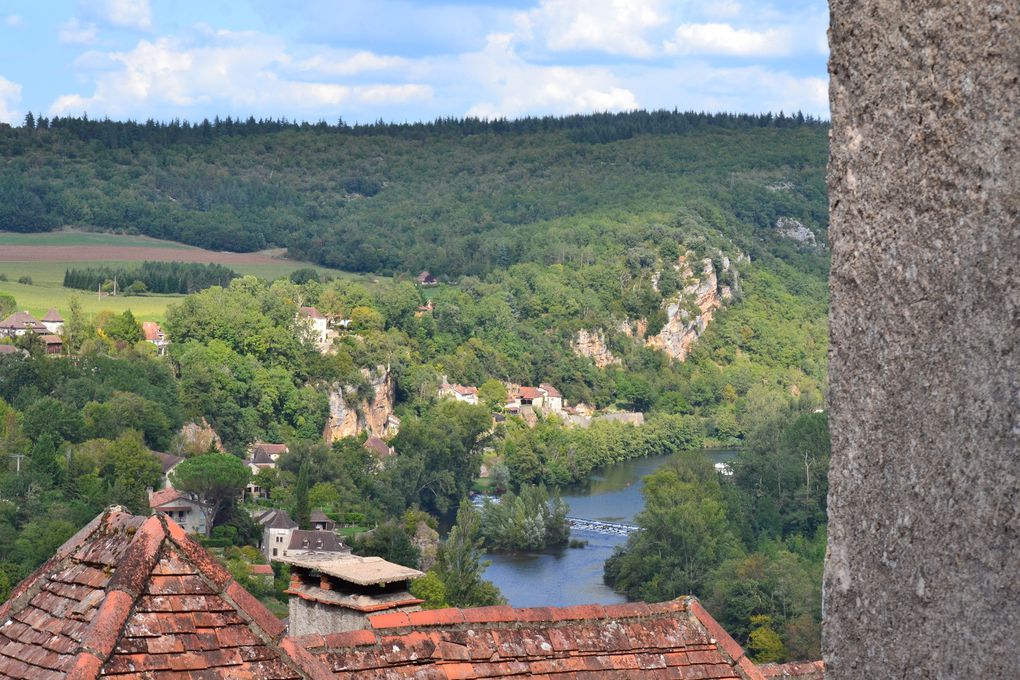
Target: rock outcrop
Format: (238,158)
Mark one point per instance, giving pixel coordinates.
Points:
(349,417)
(195,438)
(592,344)
(791,228)
(683,326)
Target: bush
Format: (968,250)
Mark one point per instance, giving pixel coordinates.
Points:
(27,280)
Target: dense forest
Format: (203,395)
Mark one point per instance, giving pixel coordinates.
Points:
(536,229)
(151,277)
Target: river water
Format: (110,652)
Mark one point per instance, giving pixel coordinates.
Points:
(567,576)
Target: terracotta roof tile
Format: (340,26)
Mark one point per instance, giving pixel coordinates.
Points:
(135,597)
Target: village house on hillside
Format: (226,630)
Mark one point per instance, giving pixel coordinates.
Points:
(168,462)
(179,507)
(545,398)
(53,321)
(20,323)
(262,456)
(466,393)
(132,596)
(426,279)
(154,333)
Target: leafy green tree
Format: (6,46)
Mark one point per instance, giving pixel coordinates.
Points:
(685,534)
(124,328)
(765,644)
(215,478)
(8,305)
(431,589)
(390,542)
(460,563)
(492,393)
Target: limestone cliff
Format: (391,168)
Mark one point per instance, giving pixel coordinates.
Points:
(350,416)
(683,326)
(592,344)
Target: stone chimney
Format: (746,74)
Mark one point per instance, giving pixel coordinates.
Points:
(336,593)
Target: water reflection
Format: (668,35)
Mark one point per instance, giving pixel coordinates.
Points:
(568,576)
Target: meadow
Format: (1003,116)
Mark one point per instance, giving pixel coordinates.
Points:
(45,258)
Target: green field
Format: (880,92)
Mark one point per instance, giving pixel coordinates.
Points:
(47,277)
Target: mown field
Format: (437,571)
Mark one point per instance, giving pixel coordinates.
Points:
(45,258)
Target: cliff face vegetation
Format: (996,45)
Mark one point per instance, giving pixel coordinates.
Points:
(369,409)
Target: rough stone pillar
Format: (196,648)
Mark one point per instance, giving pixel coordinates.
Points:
(923,573)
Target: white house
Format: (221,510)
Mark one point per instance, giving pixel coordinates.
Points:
(277,527)
(154,334)
(262,456)
(53,321)
(19,323)
(179,507)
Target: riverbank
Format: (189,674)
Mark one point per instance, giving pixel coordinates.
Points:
(568,576)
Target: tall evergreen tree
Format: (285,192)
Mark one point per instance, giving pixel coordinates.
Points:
(302,509)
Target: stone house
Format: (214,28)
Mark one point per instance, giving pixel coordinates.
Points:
(179,507)
(465,393)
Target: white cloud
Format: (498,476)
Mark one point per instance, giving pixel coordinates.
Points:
(610,26)
(230,71)
(14,21)
(74,32)
(514,87)
(724,39)
(10,98)
(132,14)
(331,63)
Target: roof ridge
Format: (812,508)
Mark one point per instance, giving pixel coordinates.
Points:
(100,636)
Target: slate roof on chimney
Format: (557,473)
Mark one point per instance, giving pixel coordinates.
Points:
(669,640)
(134,597)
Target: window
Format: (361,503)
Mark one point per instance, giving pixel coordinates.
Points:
(274,552)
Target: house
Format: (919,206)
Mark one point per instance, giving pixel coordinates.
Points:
(19,323)
(154,333)
(276,529)
(179,507)
(552,400)
(307,542)
(52,344)
(128,593)
(320,522)
(318,326)
(53,321)
(466,393)
(262,456)
(6,349)
(263,573)
(426,279)
(379,447)
(168,461)
(424,310)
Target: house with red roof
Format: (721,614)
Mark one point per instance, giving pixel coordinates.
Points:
(317,325)
(134,597)
(53,321)
(154,333)
(465,393)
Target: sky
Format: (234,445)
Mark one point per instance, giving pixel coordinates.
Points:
(403,60)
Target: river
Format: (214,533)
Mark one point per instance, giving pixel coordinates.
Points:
(567,576)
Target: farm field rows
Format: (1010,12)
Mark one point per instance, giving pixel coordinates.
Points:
(45,258)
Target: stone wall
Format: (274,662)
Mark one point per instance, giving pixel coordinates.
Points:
(922,579)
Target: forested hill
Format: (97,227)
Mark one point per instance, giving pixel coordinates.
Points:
(455,197)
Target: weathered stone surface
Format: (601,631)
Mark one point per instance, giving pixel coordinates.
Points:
(922,576)
(592,344)
(681,330)
(351,419)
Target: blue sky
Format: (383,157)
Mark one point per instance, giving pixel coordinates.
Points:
(402,60)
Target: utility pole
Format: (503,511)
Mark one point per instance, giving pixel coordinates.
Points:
(18,457)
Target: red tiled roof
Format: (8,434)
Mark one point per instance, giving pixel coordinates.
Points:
(23,321)
(8,349)
(465,389)
(550,390)
(670,640)
(269,449)
(530,393)
(130,597)
(312,313)
(164,496)
(261,570)
(151,330)
(802,670)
